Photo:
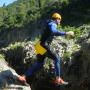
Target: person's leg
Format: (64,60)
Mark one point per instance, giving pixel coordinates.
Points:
(34,68)
(56,59)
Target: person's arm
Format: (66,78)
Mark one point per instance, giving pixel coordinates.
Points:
(55,31)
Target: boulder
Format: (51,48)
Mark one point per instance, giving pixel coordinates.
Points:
(8,78)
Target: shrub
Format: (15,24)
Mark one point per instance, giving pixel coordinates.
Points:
(77,31)
(2,56)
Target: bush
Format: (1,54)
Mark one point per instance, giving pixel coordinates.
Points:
(14,46)
(77,31)
(2,56)
(66,56)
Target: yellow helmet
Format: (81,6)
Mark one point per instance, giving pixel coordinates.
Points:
(56,16)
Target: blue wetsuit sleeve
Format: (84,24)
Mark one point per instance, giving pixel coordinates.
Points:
(55,31)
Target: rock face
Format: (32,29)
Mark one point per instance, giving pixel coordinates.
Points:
(8,78)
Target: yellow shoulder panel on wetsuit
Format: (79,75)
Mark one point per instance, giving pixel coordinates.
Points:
(39,49)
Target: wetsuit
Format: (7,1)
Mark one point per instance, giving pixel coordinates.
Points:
(46,39)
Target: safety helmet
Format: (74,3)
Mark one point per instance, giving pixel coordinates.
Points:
(56,16)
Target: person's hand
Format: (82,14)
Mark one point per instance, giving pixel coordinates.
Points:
(70,33)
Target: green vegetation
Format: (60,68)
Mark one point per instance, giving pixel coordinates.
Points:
(23,19)
(14,46)
(19,20)
(14,52)
(66,56)
(77,31)
(23,12)
(2,56)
